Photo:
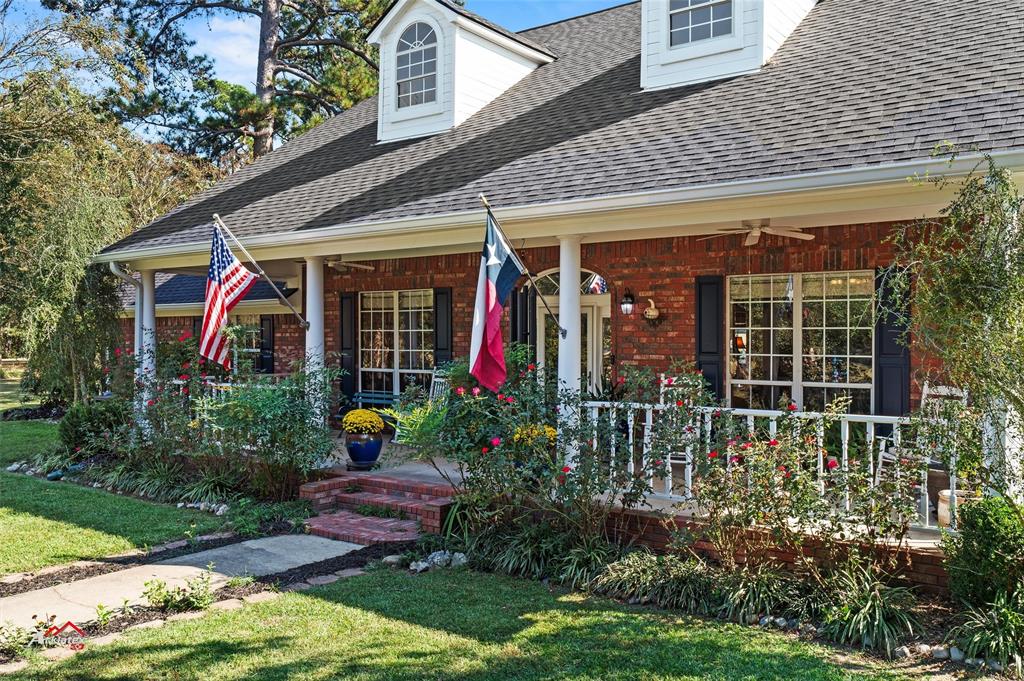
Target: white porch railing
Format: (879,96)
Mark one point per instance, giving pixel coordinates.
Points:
(878,449)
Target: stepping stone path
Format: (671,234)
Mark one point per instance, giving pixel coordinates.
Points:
(415,503)
(77,601)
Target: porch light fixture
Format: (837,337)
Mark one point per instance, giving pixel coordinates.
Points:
(627,303)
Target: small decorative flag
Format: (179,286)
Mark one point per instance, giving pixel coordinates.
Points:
(499,270)
(226,285)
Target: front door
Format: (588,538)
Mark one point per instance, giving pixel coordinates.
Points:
(595,340)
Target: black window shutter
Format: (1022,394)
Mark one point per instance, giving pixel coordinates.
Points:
(892,358)
(523,315)
(265,364)
(442,326)
(349,335)
(197,327)
(710,330)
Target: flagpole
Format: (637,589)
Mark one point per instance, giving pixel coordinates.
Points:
(562,331)
(259,269)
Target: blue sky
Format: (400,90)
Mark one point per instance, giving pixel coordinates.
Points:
(231,41)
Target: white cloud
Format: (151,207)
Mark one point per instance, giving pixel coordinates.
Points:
(232,44)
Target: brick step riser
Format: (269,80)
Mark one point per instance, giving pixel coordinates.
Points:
(368,483)
(430,518)
(398,494)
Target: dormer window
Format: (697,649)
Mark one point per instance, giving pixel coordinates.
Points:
(691,21)
(417,66)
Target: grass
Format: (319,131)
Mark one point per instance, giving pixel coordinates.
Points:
(50,523)
(388,625)
(21,439)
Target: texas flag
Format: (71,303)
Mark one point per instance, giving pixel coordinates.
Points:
(499,270)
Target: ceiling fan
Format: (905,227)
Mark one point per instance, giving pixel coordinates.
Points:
(755,228)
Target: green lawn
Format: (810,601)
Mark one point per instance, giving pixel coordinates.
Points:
(50,523)
(20,439)
(391,626)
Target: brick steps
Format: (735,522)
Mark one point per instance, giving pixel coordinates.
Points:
(361,529)
(424,505)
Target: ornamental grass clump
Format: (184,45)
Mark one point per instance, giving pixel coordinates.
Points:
(995,632)
(362,421)
(667,581)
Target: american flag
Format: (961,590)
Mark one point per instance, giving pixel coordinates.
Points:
(226,285)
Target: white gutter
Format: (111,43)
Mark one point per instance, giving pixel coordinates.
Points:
(121,274)
(829,179)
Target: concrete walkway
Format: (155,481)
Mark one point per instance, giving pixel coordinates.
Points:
(77,601)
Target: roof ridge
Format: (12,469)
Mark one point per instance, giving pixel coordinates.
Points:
(579,16)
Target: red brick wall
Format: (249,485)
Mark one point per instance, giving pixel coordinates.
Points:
(662,269)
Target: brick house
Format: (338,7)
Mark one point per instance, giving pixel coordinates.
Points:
(735,164)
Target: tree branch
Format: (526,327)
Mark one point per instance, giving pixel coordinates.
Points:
(335,42)
(332,109)
(296,71)
(231,6)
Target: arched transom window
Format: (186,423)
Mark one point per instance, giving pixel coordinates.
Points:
(417,66)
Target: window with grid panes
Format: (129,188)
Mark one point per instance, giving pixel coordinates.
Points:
(691,21)
(416,75)
(396,340)
(812,357)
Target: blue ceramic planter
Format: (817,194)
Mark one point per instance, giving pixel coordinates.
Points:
(363,449)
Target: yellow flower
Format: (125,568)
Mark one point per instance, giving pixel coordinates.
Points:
(362,421)
(529,434)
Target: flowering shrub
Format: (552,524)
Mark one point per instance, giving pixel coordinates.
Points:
(362,421)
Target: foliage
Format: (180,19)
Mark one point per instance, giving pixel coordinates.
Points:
(195,594)
(995,631)
(312,61)
(985,556)
(748,593)
(362,421)
(668,581)
(89,427)
(251,518)
(866,611)
(13,640)
(962,275)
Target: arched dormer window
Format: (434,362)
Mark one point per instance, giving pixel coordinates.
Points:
(417,66)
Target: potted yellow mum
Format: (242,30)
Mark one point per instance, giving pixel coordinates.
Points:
(362,438)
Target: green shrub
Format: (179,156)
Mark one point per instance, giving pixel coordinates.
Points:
(994,632)
(13,640)
(196,594)
(252,518)
(529,549)
(90,427)
(986,555)
(667,581)
(749,593)
(866,611)
(584,562)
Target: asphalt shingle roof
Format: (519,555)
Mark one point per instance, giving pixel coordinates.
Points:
(179,289)
(858,83)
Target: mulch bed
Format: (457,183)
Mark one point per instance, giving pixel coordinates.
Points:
(54,413)
(354,559)
(103,566)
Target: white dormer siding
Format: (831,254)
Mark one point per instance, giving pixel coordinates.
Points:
(475,64)
(758,28)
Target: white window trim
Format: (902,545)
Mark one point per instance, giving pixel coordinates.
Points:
(797,386)
(396,372)
(408,113)
(671,54)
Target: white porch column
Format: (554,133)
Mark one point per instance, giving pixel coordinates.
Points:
(315,312)
(147,352)
(569,313)
(569,344)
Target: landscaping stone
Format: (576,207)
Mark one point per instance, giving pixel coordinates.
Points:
(350,572)
(181,504)
(54,654)
(994,665)
(106,639)
(793,624)
(152,624)
(229,604)
(261,596)
(12,579)
(321,580)
(902,653)
(12,667)
(780,622)
(419,566)
(14,467)
(458,560)
(923,649)
(809,630)
(393,560)
(298,586)
(214,536)
(765,621)
(180,544)
(974,662)
(439,559)
(940,653)
(182,616)
(955,654)
(222,509)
